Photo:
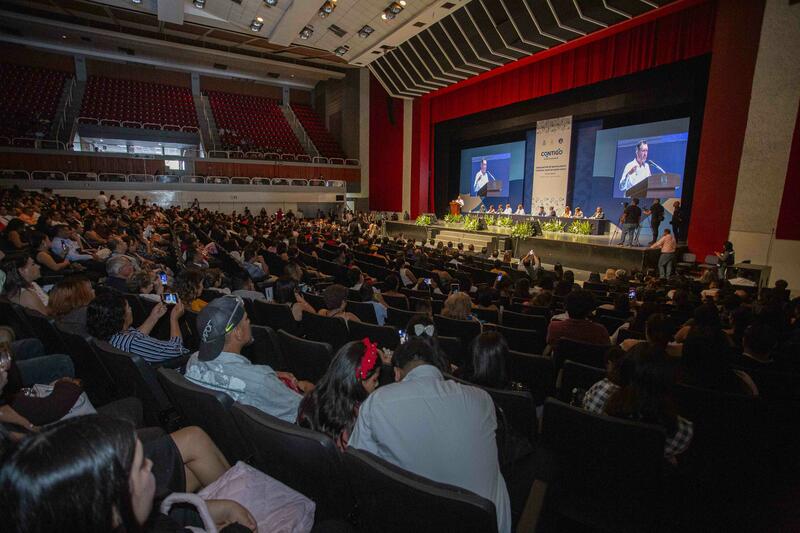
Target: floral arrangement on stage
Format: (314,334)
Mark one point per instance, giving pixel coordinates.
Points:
(505,222)
(522,230)
(424,220)
(491,220)
(580,227)
(553,225)
(471,223)
(450,218)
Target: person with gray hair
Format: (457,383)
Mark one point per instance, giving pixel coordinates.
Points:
(119,268)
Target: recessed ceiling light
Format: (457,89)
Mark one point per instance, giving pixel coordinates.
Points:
(327,8)
(257,24)
(271,3)
(137,2)
(365,32)
(63,36)
(341,50)
(199,4)
(307,32)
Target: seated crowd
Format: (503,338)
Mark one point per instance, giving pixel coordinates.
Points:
(448,329)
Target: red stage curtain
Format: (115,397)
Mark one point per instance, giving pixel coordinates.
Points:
(385,149)
(789,217)
(679,31)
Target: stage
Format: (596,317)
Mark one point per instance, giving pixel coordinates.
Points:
(593,253)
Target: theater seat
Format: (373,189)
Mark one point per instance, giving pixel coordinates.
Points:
(305,460)
(208,409)
(391,499)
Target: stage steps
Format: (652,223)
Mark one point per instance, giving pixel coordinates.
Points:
(455,236)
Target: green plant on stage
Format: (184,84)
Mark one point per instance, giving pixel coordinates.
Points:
(505,222)
(491,220)
(471,223)
(522,230)
(553,225)
(580,227)
(450,218)
(423,220)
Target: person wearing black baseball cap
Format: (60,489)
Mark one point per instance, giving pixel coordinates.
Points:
(224,329)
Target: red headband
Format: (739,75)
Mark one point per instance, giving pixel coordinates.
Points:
(368,360)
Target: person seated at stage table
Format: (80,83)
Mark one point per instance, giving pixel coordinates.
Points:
(500,209)
(542,212)
(552,212)
(578,213)
(598,213)
(567,213)
(491,209)
(507,210)
(520,210)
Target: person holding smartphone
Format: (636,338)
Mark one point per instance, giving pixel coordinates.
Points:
(109,318)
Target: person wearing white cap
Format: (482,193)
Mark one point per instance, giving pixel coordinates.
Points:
(224,330)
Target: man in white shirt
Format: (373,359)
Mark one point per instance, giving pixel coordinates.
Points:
(123,202)
(636,170)
(507,210)
(436,428)
(482,177)
(668,246)
(102,200)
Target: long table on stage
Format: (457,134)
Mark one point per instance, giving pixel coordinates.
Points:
(594,253)
(599,226)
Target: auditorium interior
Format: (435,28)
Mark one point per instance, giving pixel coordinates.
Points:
(399,265)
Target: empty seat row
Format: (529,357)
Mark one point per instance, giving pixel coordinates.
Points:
(30,99)
(134,101)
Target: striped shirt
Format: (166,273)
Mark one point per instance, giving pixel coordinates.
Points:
(150,349)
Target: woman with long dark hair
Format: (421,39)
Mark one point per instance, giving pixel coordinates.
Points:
(87,474)
(489,352)
(332,407)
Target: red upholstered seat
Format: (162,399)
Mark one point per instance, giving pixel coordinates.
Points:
(30,99)
(315,128)
(253,123)
(135,101)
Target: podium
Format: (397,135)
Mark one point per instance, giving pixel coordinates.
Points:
(492,188)
(661,185)
(455,208)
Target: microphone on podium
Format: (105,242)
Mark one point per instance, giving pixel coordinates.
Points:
(657,166)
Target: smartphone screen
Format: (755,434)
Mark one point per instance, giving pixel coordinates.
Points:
(170,298)
(163,277)
(268,292)
(402,334)
(632,293)
(499,277)
(427,281)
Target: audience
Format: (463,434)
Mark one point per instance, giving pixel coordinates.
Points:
(408,413)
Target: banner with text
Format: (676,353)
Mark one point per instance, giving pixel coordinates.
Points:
(551,164)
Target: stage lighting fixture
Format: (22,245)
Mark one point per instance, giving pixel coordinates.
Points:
(199,4)
(137,2)
(307,32)
(342,50)
(365,32)
(257,24)
(271,3)
(327,8)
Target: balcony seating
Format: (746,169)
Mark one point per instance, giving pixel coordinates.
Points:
(30,100)
(252,123)
(137,103)
(315,128)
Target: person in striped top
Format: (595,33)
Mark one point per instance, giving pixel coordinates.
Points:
(109,318)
